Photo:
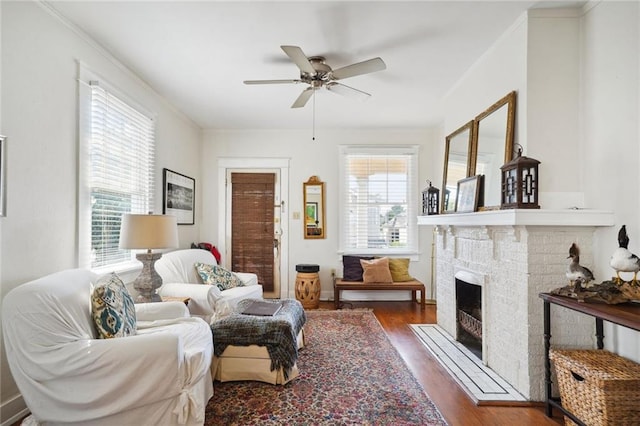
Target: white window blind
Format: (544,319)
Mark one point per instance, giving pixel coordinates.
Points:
(378,201)
(120,171)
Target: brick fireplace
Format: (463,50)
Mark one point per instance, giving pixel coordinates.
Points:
(513,255)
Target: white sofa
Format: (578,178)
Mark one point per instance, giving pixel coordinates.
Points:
(180,279)
(67,376)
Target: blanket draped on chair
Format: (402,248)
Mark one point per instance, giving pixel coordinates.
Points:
(278,333)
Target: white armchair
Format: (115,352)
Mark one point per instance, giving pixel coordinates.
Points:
(180,279)
(68,376)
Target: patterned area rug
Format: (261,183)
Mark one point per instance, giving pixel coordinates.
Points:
(350,374)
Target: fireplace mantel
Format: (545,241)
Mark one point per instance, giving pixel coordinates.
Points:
(522,217)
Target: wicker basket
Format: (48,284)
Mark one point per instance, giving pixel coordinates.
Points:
(598,387)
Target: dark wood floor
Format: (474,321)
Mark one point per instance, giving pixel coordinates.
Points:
(451,400)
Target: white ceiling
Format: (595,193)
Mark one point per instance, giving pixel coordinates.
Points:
(197,54)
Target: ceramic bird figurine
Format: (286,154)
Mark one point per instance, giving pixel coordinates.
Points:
(622,260)
(577,273)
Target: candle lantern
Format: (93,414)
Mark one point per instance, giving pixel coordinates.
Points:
(430,200)
(520,183)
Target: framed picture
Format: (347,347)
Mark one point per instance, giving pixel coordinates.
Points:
(3,176)
(178,196)
(468,194)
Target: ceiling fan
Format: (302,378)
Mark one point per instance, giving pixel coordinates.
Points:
(317,74)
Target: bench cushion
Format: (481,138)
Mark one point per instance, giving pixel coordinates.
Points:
(376,270)
(352,269)
(399,268)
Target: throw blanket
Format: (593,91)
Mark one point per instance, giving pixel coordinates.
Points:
(278,333)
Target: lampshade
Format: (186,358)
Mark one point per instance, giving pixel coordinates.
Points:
(148,231)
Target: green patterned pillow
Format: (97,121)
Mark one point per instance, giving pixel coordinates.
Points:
(214,274)
(112,308)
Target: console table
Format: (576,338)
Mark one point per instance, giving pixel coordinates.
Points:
(624,314)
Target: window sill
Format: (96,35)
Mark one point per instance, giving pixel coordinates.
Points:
(127,271)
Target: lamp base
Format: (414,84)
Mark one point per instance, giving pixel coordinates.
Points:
(149,280)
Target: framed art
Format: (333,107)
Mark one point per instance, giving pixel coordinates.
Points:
(178,196)
(468,194)
(3,175)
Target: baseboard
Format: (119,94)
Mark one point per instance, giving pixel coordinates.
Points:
(16,408)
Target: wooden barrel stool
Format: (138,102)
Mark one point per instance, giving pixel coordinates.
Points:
(308,286)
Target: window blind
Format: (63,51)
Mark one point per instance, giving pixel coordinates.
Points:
(121,164)
(378,187)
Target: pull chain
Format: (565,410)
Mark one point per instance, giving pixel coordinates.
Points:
(313,131)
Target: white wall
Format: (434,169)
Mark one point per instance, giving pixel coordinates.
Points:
(39,103)
(610,135)
(552,103)
(307,158)
(576,74)
(499,71)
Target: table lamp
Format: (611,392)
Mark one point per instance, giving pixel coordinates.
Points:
(148,231)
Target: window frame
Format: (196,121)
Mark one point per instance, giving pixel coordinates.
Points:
(86,79)
(412,151)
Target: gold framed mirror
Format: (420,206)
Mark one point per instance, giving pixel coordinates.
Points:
(493,146)
(457,164)
(314,223)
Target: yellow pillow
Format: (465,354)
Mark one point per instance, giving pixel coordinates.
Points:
(376,271)
(399,268)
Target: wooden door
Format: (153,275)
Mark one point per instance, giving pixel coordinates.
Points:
(253,196)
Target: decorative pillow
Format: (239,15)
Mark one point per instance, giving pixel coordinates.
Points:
(376,270)
(215,274)
(112,308)
(351,267)
(399,268)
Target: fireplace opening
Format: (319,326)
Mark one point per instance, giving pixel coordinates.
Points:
(469,316)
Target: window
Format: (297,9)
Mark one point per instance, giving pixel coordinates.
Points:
(378,199)
(116,177)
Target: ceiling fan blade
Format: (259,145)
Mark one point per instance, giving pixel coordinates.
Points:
(299,58)
(345,90)
(364,67)
(270,81)
(303,98)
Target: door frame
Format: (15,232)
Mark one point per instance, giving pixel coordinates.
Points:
(249,165)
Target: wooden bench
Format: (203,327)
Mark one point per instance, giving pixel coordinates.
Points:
(413,285)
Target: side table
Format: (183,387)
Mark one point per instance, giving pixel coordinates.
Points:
(308,286)
(624,314)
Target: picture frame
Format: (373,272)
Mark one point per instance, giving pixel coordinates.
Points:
(178,196)
(3,176)
(468,194)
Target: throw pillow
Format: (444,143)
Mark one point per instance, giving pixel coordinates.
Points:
(399,268)
(376,270)
(351,267)
(217,275)
(112,308)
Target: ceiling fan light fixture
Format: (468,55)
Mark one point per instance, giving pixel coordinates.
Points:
(317,74)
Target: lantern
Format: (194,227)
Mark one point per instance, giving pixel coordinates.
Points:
(520,183)
(430,200)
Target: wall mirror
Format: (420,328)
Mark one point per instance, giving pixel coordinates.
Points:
(314,225)
(493,146)
(457,164)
